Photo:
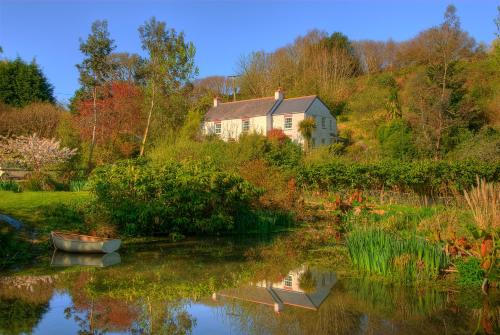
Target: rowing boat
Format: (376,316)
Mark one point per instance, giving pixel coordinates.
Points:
(84,243)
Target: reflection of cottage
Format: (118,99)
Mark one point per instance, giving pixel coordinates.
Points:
(289,291)
(231,119)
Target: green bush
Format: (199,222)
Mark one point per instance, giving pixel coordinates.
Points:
(396,140)
(145,198)
(470,272)
(10,185)
(422,177)
(40,181)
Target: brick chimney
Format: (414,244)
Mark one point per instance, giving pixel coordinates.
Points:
(217,101)
(278,94)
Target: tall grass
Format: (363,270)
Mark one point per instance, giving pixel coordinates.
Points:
(484,202)
(378,252)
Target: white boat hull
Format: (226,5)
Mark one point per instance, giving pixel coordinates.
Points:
(84,244)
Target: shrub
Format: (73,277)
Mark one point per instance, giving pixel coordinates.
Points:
(469,272)
(40,181)
(422,177)
(10,185)
(142,198)
(396,140)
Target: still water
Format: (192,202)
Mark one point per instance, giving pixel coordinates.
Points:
(222,286)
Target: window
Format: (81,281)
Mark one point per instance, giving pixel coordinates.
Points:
(331,124)
(322,141)
(218,128)
(288,281)
(288,122)
(323,122)
(313,141)
(245,125)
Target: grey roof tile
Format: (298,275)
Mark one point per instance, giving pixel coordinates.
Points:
(240,109)
(295,105)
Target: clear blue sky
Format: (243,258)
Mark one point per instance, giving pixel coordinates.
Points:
(222,31)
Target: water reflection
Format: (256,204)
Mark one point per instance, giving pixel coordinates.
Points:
(301,287)
(167,289)
(61,258)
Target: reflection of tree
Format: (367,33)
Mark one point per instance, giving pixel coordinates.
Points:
(98,313)
(158,317)
(20,317)
(307,283)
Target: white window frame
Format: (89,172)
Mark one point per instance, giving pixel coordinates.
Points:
(218,128)
(290,126)
(288,281)
(245,125)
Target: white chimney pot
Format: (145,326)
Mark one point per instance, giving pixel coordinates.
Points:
(216,101)
(278,94)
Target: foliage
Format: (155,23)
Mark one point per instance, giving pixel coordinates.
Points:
(12,249)
(396,140)
(96,68)
(145,198)
(381,253)
(9,185)
(78,185)
(34,152)
(306,129)
(40,181)
(119,125)
(470,273)
(169,66)
(22,83)
(42,118)
(422,177)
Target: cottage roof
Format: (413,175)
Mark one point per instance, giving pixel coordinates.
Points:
(295,105)
(240,109)
(258,107)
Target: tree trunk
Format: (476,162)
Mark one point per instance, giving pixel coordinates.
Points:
(94,126)
(146,131)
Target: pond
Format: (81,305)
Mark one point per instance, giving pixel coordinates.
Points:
(225,286)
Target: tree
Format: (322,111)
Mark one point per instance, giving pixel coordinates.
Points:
(118,129)
(127,67)
(170,64)
(33,152)
(306,129)
(22,83)
(497,22)
(96,69)
(42,118)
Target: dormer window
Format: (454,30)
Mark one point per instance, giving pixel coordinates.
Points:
(288,123)
(245,125)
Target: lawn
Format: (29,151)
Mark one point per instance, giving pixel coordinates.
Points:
(32,207)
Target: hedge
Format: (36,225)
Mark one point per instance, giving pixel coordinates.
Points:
(422,177)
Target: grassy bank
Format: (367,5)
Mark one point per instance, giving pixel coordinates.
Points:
(31,207)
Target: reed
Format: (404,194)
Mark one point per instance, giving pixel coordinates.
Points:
(484,202)
(378,252)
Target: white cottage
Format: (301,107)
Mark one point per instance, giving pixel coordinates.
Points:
(231,119)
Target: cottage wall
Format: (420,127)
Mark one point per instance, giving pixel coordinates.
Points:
(322,135)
